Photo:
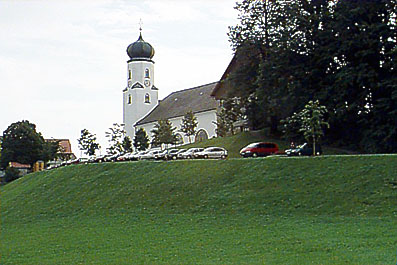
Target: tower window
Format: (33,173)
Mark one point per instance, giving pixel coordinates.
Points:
(147,98)
(129,99)
(129,74)
(147,73)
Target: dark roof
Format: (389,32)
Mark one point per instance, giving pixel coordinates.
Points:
(177,104)
(140,50)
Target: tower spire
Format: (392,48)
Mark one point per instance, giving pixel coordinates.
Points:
(140,26)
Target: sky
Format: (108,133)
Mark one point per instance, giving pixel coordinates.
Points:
(63,64)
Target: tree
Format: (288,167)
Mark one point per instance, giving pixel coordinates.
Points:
(222,125)
(340,52)
(23,144)
(51,149)
(127,144)
(312,122)
(141,140)
(11,174)
(163,133)
(116,138)
(189,125)
(87,142)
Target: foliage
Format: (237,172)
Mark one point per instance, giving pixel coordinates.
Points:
(21,143)
(87,142)
(340,52)
(141,140)
(231,110)
(163,133)
(189,125)
(310,121)
(51,149)
(127,144)
(222,125)
(1,140)
(115,137)
(11,174)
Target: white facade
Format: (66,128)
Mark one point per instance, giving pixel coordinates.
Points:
(140,95)
(205,122)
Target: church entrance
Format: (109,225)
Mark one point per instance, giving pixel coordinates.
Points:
(201,135)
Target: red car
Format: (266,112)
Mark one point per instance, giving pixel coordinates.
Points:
(259,149)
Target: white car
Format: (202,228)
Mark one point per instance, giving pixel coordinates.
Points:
(190,153)
(150,155)
(212,152)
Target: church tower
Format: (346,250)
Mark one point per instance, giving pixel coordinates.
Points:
(140,96)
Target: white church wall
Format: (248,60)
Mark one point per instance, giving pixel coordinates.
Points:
(204,122)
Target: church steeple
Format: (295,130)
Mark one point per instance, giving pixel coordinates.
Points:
(140,96)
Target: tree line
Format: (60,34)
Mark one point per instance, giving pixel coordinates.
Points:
(341,53)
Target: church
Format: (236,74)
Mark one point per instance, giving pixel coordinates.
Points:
(143,109)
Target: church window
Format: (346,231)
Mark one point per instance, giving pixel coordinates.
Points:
(147,98)
(201,135)
(129,74)
(147,73)
(129,99)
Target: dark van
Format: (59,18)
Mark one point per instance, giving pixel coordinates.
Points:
(259,149)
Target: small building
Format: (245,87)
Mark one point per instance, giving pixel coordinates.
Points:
(22,168)
(64,152)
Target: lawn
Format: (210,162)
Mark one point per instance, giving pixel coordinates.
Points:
(323,210)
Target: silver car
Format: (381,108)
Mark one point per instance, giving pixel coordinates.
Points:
(212,152)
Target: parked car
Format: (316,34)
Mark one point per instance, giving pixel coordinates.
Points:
(137,156)
(259,149)
(166,154)
(189,154)
(111,158)
(303,150)
(150,155)
(212,152)
(174,154)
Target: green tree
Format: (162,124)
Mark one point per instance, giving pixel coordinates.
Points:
(115,137)
(222,125)
(189,125)
(23,144)
(1,140)
(312,121)
(11,174)
(141,140)
(163,133)
(127,144)
(87,143)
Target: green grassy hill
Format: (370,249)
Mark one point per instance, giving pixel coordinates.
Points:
(322,210)
(333,185)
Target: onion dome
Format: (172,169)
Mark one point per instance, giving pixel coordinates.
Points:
(140,50)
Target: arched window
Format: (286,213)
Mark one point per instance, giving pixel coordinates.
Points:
(201,135)
(129,74)
(129,99)
(147,98)
(147,73)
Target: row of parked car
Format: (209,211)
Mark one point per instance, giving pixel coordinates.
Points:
(169,154)
(251,150)
(173,154)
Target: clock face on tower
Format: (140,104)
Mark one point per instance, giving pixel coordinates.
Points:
(147,83)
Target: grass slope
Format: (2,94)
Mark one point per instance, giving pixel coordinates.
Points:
(323,210)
